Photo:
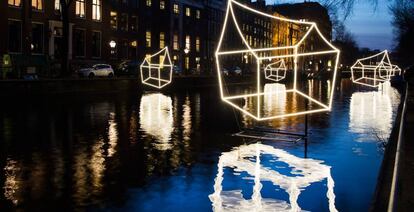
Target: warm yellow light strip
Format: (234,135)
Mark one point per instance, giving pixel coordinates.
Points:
(295,55)
(270,69)
(146,64)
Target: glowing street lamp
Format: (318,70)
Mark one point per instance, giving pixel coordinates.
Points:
(112,44)
(264,56)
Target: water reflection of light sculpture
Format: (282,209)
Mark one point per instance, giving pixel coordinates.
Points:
(275,99)
(157,74)
(156,118)
(233,46)
(371,114)
(276,71)
(247,158)
(373,70)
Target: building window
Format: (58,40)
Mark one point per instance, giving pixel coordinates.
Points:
(198,14)
(57,6)
(187,11)
(133,24)
(162,40)
(162,4)
(80,8)
(148,38)
(37,4)
(176,9)
(114,20)
(148,3)
(15,36)
(148,57)
(79,42)
(123,22)
(37,38)
(197,44)
(187,63)
(175,42)
(15,3)
(96,44)
(187,42)
(124,50)
(96,10)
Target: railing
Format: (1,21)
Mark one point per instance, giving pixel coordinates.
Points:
(393,194)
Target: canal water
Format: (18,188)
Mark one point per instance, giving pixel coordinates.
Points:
(175,151)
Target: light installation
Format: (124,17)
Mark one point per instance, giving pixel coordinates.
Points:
(259,162)
(234,44)
(396,71)
(157,74)
(372,71)
(276,71)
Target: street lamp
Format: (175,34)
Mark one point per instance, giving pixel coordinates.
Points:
(112,44)
(186,50)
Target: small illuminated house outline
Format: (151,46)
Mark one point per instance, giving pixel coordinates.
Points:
(396,70)
(156,80)
(247,48)
(367,73)
(276,71)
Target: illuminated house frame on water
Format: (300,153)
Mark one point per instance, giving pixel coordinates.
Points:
(396,70)
(373,70)
(263,55)
(276,71)
(159,74)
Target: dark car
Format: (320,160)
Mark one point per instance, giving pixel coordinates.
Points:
(128,68)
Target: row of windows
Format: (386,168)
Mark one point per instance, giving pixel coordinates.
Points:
(36,4)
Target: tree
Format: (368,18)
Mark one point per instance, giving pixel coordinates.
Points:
(403,11)
(65,5)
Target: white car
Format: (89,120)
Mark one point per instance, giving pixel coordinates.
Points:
(98,70)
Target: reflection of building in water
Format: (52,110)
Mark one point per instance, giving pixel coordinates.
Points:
(371,113)
(156,118)
(248,158)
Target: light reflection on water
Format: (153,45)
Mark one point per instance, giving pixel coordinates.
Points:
(249,159)
(152,151)
(371,113)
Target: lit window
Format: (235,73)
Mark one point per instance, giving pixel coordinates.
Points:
(187,11)
(114,20)
(37,4)
(148,38)
(187,42)
(15,3)
(57,5)
(175,42)
(197,44)
(96,10)
(148,3)
(161,59)
(80,8)
(148,57)
(176,9)
(162,40)
(162,4)
(198,14)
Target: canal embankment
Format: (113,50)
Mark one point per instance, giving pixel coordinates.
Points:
(106,85)
(401,171)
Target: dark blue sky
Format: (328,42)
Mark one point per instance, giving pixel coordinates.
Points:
(371,27)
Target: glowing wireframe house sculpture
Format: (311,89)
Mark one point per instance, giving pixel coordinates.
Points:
(396,71)
(257,161)
(373,70)
(235,44)
(276,71)
(156,70)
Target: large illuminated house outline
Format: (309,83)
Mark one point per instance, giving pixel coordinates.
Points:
(276,71)
(264,55)
(372,71)
(157,75)
(257,160)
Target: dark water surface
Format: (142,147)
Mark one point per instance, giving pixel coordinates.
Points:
(174,151)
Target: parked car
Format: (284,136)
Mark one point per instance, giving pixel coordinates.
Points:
(128,68)
(98,70)
(177,70)
(237,71)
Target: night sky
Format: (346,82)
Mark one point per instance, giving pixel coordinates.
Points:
(371,27)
